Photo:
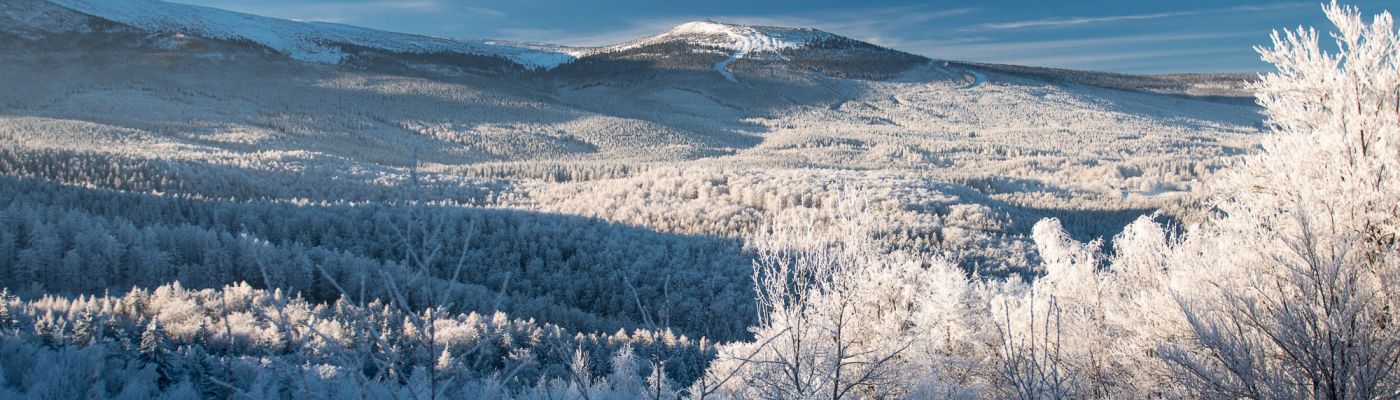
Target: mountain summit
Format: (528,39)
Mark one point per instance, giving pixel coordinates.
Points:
(743,38)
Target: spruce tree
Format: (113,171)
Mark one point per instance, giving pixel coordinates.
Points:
(84,329)
(155,349)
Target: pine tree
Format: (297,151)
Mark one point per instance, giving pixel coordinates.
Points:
(49,328)
(201,334)
(7,320)
(84,329)
(153,342)
(155,349)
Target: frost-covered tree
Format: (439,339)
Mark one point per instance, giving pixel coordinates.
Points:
(839,317)
(1303,260)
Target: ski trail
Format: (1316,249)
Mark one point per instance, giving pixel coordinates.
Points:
(722,66)
(978,79)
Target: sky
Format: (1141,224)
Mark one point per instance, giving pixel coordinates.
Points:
(1121,36)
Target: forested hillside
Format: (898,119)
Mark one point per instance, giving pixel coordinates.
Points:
(196,203)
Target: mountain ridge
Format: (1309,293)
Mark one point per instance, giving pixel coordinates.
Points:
(324,42)
(338,44)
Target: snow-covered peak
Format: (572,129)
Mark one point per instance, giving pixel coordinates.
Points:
(735,38)
(307,41)
(744,38)
(701,27)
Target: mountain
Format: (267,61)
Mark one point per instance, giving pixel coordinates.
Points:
(802,48)
(330,43)
(721,47)
(307,41)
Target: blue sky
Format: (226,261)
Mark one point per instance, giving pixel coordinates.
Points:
(1122,36)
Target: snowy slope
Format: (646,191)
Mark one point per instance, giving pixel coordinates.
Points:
(30,19)
(745,38)
(739,39)
(307,41)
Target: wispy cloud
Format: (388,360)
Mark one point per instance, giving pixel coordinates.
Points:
(987,48)
(1093,59)
(416,5)
(1059,22)
(633,30)
(1136,53)
(886,26)
(355,11)
(1208,59)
